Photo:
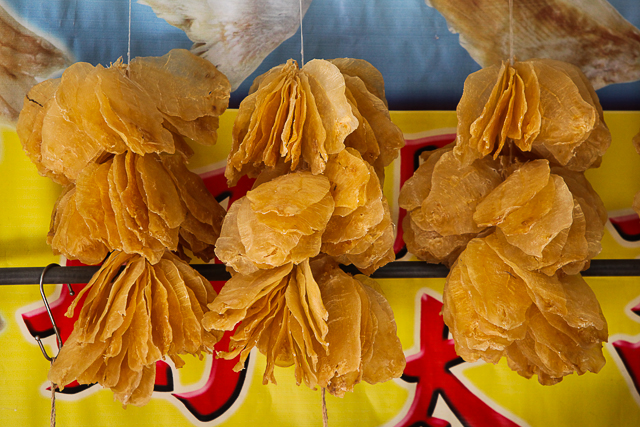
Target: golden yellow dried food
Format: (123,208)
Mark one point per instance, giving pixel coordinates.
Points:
(132,319)
(531,207)
(303,116)
(335,330)
(542,105)
(187,89)
(549,325)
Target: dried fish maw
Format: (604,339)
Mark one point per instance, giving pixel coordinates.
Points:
(604,45)
(389,136)
(85,111)
(72,236)
(182,84)
(387,358)
(131,196)
(328,87)
(229,248)
(239,294)
(358,223)
(498,295)
(314,133)
(130,112)
(65,148)
(29,125)
(432,247)
(417,187)
(517,190)
(362,139)
(342,302)
(456,190)
(89,202)
(370,76)
(310,221)
(290,194)
(162,195)
(547,226)
(349,175)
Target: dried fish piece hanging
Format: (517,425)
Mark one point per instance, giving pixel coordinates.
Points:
(523,103)
(278,222)
(132,319)
(551,326)
(440,199)
(335,330)
(302,116)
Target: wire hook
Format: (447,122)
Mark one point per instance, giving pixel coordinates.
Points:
(53,322)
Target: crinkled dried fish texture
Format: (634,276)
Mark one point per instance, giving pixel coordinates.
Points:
(293,114)
(235,36)
(137,204)
(29,126)
(93,111)
(188,90)
(591,35)
(133,319)
(544,106)
(335,330)
(531,207)
(23,57)
(278,222)
(551,326)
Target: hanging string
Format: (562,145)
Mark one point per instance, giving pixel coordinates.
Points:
(301,47)
(52,418)
(511,32)
(129,40)
(325,417)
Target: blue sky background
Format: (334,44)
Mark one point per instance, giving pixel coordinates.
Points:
(422,62)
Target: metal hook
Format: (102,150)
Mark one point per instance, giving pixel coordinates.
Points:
(53,322)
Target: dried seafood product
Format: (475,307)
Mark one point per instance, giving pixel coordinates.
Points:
(550,326)
(440,199)
(544,106)
(303,116)
(335,330)
(589,34)
(24,57)
(317,139)
(239,35)
(133,319)
(116,140)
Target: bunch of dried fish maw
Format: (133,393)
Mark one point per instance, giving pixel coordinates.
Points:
(336,330)
(92,112)
(550,326)
(302,116)
(131,320)
(318,139)
(544,106)
(440,199)
(278,222)
(117,143)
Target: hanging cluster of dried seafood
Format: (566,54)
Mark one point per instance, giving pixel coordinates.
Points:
(318,139)
(115,138)
(509,208)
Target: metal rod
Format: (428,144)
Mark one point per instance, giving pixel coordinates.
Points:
(394,270)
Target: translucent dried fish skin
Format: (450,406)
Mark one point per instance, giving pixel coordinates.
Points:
(544,106)
(131,320)
(554,328)
(334,329)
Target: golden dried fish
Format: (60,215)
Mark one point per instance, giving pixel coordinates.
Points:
(549,325)
(521,103)
(334,329)
(133,319)
(590,35)
(24,56)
